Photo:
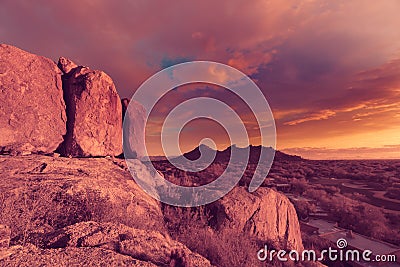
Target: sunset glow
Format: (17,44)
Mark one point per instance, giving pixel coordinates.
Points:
(330,70)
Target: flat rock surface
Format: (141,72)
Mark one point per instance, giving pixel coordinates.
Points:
(32,109)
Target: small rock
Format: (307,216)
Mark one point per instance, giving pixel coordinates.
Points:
(66,65)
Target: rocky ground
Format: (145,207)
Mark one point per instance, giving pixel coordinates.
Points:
(65,200)
(61,208)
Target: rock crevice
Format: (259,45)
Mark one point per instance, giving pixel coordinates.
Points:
(94,123)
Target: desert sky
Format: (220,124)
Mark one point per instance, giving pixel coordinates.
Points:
(330,70)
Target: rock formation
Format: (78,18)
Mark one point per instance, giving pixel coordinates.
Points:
(41,193)
(50,202)
(103,244)
(149,246)
(134,128)
(30,255)
(32,109)
(266,214)
(81,211)
(94,125)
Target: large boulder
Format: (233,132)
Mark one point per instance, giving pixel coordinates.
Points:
(134,128)
(40,194)
(94,125)
(32,109)
(265,214)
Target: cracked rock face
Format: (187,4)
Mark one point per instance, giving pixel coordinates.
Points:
(266,214)
(94,121)
(32,109)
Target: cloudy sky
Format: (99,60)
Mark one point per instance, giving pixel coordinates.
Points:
(330,70)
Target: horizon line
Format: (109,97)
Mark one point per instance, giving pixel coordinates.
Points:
(303,156)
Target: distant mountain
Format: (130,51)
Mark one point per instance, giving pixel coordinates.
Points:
(286,157)
(224,155)
(195,153)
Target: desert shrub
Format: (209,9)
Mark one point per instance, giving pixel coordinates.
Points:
(229,248)
(300,186)
(303,208)
(191,226)
(332,189)
(393,192)
(39,209)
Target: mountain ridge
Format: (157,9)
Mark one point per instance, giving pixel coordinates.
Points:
(224,155)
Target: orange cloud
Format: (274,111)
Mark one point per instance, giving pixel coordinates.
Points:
(321,115)
(329,81)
